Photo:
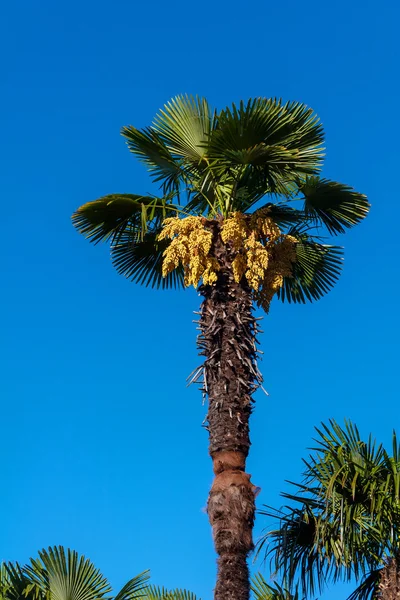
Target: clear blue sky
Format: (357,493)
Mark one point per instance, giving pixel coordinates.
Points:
(101,442)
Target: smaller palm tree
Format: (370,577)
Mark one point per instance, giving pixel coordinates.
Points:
(60,574)
(344,519)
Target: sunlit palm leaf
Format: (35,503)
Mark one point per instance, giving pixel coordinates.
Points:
(160,593)
(333,204)
(141,261)
(263,591)
(185,124)
(315,271)
(64,575)
(134,588)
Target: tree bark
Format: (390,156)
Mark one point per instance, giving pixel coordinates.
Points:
(228,341)
(389,584)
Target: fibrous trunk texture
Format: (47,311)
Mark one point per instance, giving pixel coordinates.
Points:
(389,584)
(230,376)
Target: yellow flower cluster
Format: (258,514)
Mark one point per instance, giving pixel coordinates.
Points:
(282,257)
(257,261)
(261,252)
(190,247)
(235,230)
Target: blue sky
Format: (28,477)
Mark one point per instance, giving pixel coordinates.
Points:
(102,444)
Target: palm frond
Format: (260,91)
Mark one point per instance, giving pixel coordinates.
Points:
(268,143)
(185,125)
(14,583)
(334,205)
(149,147)
(134,588)
(282,214)
(367,590)
(141,261)
(263,591)
(315,271)
(66,576)
(161,593)
(106,218)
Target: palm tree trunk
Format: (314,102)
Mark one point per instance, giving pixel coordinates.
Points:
(389,583)
(228,341)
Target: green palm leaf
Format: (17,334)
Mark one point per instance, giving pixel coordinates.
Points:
(61,575)
(333,204)
(134,588)
(267,142)
(185,125)
(263,591)
(315,272)
(141,261)
(148,146)
(160,593)
(107,218)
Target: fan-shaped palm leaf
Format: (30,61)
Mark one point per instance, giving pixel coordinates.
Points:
(106,218)
(141,261)
(60,575)
(185,125)
(148,146)
(333,204)
(315,271)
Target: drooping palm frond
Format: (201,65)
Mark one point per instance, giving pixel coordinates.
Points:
(350,489)
(141,261)
(135,588)
(149,147)
(105,219)
(315,271)
(334,205)
(367,590)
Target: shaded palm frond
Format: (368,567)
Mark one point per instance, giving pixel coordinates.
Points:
(267,142)
(334,205)
(141,261)
(315,271)
(106,218)
(149,147)
(367,590)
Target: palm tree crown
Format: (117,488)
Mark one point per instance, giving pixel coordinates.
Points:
(252,168)
(345,520)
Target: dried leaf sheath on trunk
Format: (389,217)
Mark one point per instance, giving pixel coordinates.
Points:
(228,342)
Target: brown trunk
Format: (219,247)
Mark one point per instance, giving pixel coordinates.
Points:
(389,583)
(228,341)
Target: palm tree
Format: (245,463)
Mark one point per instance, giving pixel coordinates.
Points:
(64,575)
(345,522)
(239,216)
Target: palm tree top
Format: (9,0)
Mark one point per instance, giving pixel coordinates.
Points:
(343,520)
(261,158)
